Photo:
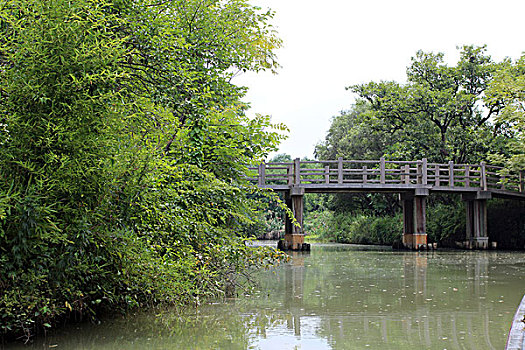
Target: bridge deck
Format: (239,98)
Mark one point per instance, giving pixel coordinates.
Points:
(390,177)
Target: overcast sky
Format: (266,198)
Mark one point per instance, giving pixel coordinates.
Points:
(331,44)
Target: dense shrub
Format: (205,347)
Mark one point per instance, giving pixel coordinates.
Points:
(124,147)
(358,229)
(446,223)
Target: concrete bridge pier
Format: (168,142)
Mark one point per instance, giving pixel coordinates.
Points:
(414,218)
(294,235)
(476,220)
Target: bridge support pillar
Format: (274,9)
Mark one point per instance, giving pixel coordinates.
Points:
(294,235)
(414,219)
(476,220)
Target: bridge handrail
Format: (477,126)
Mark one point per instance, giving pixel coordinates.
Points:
(420,172)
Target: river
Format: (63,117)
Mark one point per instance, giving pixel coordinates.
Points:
(338,297)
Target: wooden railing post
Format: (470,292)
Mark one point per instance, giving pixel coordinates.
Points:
(419,172)
(451,174)
(467,175)
(340,170)
(262,174)
(522,180)
(327,174)
(365,174)
(297,171)
(382,170)
(482,176)
(437,180)
(290,174)
(407,174)
(424,171)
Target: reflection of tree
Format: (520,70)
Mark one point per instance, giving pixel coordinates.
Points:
(391,300)
(406,300)
(166,329)
(419,300)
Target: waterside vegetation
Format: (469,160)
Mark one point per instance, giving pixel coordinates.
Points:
(124,147)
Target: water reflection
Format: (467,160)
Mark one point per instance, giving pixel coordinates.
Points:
(293,297)
(431,299)
(340,297)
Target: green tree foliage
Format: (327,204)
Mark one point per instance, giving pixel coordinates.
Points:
(464,113)
(361,135)
(440,113)
(508,89)
(356,228)
(357,134)
(124,146)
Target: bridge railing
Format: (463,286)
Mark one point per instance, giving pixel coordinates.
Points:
(386,172)
(458,175)
(500,178)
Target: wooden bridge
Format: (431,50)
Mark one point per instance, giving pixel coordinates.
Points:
(413,180)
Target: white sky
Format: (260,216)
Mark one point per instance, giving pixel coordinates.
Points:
(331,44)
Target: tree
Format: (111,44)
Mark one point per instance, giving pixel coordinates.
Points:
(184,55)
(440,113)
(443,113)
(356,134)
(508,89)
(360,135)
(123,147)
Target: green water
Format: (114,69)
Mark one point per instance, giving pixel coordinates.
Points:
(339,297)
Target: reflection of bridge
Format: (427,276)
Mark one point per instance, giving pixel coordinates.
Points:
(413,180)
(411,319)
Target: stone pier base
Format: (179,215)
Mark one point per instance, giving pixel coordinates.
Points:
(293,241)
(477,243)
(476,220)
(414,219)
(294,234)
